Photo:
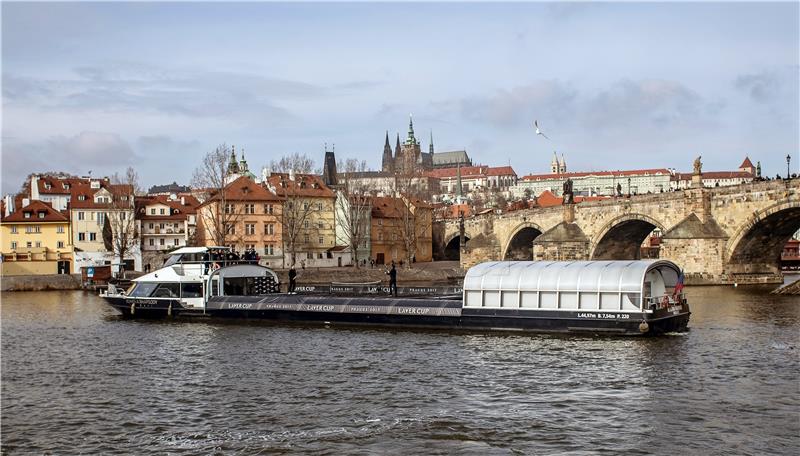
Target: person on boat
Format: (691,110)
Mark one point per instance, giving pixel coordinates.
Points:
(392,280)
(292,277)
(205,259)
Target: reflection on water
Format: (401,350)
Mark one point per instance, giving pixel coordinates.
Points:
(75,378)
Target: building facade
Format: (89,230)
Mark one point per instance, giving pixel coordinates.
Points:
(36,240)
(397,221)
(245,216)
(166,222)
(596,183)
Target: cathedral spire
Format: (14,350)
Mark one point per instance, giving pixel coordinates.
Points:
(411,139)
(459,193)
(397,147)
(430,148)
(387,163)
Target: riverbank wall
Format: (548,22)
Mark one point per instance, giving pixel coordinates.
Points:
(40,282)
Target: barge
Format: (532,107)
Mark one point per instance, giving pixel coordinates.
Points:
(631,297)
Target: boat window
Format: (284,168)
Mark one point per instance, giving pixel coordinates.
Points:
(249,286)
(173,259)
(191,290)
(143,290)
(167,290)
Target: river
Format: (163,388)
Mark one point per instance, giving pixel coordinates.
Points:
(77,379)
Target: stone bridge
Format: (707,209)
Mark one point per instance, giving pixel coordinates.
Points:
(718,235)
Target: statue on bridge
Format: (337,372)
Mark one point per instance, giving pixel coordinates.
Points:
(567,193)
(619,189)
(698,165)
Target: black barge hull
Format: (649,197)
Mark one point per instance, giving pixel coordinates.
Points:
(411,313)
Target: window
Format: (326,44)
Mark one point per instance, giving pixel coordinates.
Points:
(269,249)
(305,206)
(249,246)
(249,228)
(320,225)
(310,256)
(380,236)
(249,208)
(81,197)
(230,229)
(321,240)
(161,211)
(122,216)
(152,241)
(228,208)
(161,241)
(92,236)
(81,236)
(306,238)
(13,230)
(319,206)
(268,209)
(13,245)
(151,226)
(269,228)
(306,224)
(29,229)
(59,229)
(38,244)
(101,217)
(80,215)
(152,211)
(27,214)
(161,225)
(42,214)
(192,290)
(175,242)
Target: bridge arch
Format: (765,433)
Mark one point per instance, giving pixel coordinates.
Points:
(622,237)
(760,240)
(520,243)
(452,246)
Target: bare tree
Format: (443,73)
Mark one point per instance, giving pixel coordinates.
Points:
(217,214)
(411,203)
(291,183)
(124,231)
(296,162)
(353,207)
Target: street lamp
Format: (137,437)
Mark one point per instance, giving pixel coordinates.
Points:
(788,159)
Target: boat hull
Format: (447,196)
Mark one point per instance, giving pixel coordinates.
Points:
(412,313)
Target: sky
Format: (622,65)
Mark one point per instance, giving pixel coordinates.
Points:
(102,86)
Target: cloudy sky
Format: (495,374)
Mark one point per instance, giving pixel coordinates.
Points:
(93,86)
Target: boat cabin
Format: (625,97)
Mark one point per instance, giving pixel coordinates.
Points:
(614,286)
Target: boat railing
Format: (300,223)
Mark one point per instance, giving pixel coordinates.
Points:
(204,267)
(663,301)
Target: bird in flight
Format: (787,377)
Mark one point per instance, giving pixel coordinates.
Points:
(539,132)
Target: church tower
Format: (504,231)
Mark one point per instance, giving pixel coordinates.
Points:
(554,165)
(562,168)
(430,147)
(388,159)
(233,165)
(410,153)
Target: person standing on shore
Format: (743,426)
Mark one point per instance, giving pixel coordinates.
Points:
(292,276)
(392,280)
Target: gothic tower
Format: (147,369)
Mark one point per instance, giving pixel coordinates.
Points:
(388,159)
(554,165)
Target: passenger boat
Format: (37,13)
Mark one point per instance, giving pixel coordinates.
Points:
(615,297)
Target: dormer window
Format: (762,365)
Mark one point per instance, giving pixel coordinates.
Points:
(27,214)
(65,185)
(42,214)
(81,197)
(47,185)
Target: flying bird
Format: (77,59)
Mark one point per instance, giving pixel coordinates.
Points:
(539,132)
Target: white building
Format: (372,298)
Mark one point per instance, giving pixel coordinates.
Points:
(166,222)
(597,183)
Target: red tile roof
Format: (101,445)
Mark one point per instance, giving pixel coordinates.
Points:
(178,211)
(57,184)
(309,185)
(466,172)
(84,189)
(34,208)
(244,189)
(746,163)
(501,171)
(548,199)
(631,172)
(714,175)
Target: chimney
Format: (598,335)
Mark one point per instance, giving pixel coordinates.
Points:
(183,201)
(291,174)
(9,205)
(26,202)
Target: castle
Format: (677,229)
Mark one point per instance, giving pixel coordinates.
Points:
(408,157)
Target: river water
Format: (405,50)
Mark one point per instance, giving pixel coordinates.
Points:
(76,379)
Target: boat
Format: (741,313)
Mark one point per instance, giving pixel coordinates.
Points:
(631,297)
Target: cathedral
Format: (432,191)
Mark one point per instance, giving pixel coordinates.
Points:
(408,156)
(556,166)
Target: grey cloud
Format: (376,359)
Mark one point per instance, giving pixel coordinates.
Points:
(102,152)
(516,106)
(131,87)
(763,87)
(653,102)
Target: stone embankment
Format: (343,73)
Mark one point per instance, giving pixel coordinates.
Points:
(789,289)
(41,282)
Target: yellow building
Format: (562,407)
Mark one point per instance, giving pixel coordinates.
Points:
(36,239)
(308,220)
